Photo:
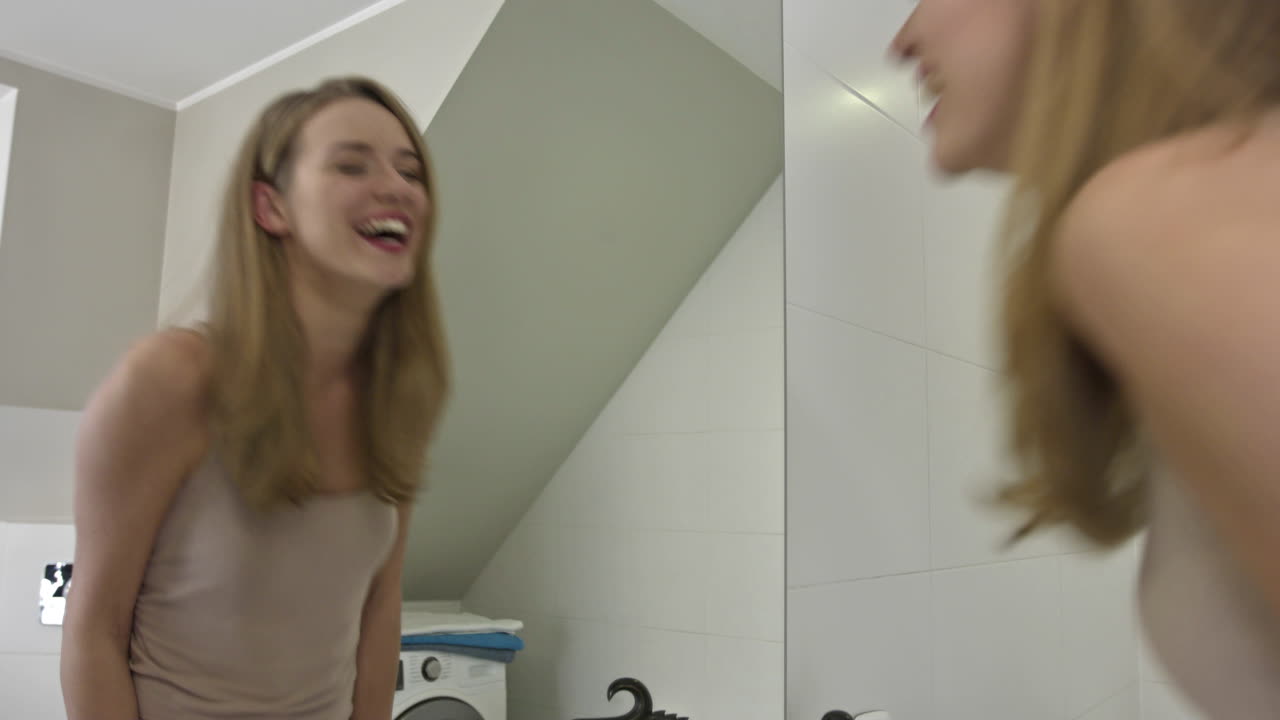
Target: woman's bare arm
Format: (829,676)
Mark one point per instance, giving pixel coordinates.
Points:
(142,431)
(378,655)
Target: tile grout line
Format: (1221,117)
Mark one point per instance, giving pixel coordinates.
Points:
(1109,698)
(952,568)
(887,336)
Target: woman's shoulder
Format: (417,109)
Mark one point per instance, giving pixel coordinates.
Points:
(1181,193)
(148,421)
(1195,175)
(1168,240)
(167,371)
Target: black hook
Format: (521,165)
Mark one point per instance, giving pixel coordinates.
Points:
(837,715)
(643,707)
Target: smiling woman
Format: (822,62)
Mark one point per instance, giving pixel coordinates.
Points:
(293,424)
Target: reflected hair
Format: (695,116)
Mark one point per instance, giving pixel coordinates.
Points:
(1106,77)
(261,428)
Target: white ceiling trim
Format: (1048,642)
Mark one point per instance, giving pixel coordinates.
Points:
(282,55)
(55,69)
(236,77)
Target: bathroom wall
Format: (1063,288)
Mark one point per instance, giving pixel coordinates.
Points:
(79,278)
(900,596)
(36,461)
(1160,698)
(83,234)
(656,551)
(29,652)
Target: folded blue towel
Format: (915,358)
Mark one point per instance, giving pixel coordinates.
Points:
(499,641)
(494,654)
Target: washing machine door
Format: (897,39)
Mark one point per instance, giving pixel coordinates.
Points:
(440,709)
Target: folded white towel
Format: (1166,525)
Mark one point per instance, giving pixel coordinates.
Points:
(424,623)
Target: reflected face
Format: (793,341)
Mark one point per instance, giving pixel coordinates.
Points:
(971,56)
(355,202)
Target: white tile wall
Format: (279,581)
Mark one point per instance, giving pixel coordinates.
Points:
(674,399)
(30,688)
(751,360)
(676,571)
(855,248)
(966,463)
(742,679)
(741,600)
(1163,701)
(997,641)
(656,551)
(664,481)
(857,453)
(849,39)
(1123,706)
(861,646)
(1099,626)
(674,667)
(744,494)
(960,222)
(29,652)
(901,595)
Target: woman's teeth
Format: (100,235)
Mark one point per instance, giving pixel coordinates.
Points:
(390,228)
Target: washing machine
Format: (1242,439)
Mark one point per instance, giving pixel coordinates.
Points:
(434,685)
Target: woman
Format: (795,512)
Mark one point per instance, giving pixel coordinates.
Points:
(1142,304)
(243,492)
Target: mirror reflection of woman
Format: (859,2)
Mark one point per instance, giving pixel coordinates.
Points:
(1142,298)
(243,489)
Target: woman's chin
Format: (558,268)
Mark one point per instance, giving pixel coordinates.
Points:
(950,159)
(948,163)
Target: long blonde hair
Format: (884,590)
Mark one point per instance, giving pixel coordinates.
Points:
(1107,77)
(260,423)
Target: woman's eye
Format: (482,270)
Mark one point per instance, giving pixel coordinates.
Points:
(412,175)
(349,169)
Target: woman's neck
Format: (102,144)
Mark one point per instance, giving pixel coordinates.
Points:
(333,326)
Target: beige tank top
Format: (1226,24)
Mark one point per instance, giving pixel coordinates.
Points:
(1207,625)
(247,615)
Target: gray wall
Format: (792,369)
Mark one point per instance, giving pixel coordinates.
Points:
(593,157)
(83,234)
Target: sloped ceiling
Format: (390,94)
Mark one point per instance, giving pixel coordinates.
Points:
(593,158)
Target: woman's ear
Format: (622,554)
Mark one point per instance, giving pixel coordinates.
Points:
(268,209)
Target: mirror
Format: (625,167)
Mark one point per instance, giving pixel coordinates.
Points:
(610,469)
(608,478)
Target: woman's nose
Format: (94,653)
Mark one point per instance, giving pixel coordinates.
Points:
(390,184)
(903,47)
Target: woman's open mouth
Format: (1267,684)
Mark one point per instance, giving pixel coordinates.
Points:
(389,234)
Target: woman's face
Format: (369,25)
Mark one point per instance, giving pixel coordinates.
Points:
(971,56)
(355,202)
